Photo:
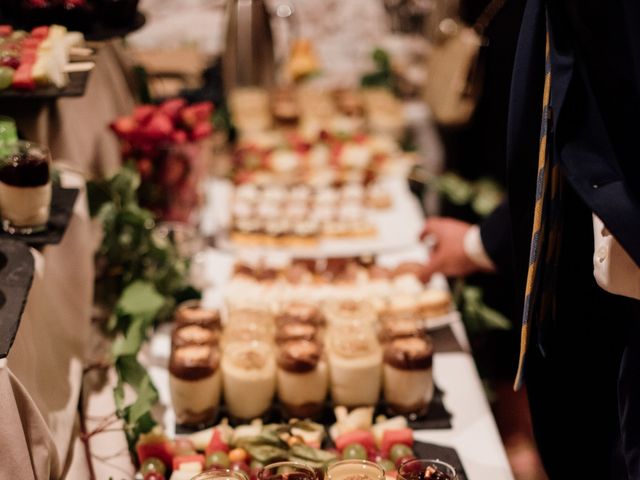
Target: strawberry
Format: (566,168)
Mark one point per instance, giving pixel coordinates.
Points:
(159,127)
(145,167)
(196,113)
(5,30)
(201,130)
(179,137)
(172,107)
(124,126)
(143,113)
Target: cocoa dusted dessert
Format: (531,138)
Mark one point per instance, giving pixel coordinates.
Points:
(303,378)
(345,311)
(300,312)
(195,383)
(249,378)
(194,335)
(292,330)
(355,361)
(192,313)
(408,375)
(392,330)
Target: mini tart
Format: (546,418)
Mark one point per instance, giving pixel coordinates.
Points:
(299,356)
(352,192)
(411,353)
(247,193)
(300,194)
(191,313)
(306,228)
(293,331)
(184,335)
(273,195)
(300,312)
(434,303)
(194,362)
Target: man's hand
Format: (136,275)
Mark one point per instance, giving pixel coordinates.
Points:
(448,255)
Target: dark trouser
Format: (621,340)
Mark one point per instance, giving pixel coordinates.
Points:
(584,391)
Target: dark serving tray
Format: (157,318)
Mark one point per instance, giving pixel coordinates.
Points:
(76,88)
(16,275)
(62,203)
(431,451)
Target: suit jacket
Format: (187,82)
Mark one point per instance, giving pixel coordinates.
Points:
(595,135)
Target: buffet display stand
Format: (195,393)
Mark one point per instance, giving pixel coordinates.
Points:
(40,380)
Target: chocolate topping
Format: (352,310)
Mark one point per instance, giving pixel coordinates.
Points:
(194,335)
(194,362)
(299,356)
(25,169)
(296,331)
(190,313)
(413,353)
(392,330)
(433,473)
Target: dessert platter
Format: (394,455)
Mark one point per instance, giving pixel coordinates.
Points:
(358,447)
(38,64)
(342,221)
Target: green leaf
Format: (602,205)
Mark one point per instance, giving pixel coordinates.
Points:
(130,343)
(140,298)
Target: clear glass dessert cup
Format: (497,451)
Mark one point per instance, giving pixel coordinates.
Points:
(355,470)
(415,470)
(221,474)
(25,187)
(287,471)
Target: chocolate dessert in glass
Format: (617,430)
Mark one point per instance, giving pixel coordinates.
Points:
(25,187)
(426,470)
(287,471)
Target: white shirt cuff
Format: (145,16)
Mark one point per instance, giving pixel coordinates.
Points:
(474,249)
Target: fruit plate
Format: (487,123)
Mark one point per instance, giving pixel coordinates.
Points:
(16,275)
(438,452)
(76,88)
(62,203)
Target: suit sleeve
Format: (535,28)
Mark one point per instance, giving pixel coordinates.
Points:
(495,232)
(606,39)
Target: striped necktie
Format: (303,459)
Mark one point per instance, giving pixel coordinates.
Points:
(546,231)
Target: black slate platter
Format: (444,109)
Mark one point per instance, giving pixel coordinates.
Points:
(438,417)
(448,455)
(76,87)
(62,202)
(16,275)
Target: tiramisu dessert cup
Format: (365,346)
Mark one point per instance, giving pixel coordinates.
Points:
(408,375)
(195,383)
(249,378)
(303,378)
(355,470)
(355,366)
(191,312)
(25,187)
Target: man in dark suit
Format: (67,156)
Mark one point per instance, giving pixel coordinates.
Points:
(582,364)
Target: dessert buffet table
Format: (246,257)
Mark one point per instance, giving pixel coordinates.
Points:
(41,377)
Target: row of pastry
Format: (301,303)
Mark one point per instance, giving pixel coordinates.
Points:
(301,355)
